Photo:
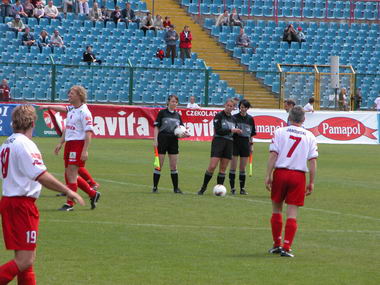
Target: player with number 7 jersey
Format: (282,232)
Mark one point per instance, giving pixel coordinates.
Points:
(23,171)
(293,152)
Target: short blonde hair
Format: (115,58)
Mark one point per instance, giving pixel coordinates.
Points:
(23,118)
(81,92)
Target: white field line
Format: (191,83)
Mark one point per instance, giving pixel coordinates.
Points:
(238,198)
(210,227)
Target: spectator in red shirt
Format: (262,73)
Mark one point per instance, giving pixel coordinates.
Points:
(5,91)
(185,39)
(167,22)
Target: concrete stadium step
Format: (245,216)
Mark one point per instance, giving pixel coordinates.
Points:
(215,56)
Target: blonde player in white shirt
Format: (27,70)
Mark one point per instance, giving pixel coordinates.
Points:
(76,137)
(23,171)
(293,148)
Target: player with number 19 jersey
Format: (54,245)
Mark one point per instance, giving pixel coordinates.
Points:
(294,146)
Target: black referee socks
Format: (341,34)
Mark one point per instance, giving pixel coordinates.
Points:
(220,178)
(156,177)
(232,176)
(242,179)
(174,175)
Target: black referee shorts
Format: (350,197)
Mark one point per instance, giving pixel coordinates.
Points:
(242,147)
(167,143)
(221,147)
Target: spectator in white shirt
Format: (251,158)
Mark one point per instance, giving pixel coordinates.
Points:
(56,40)
(377,103)
(51,11)
(192,104)
(309,106)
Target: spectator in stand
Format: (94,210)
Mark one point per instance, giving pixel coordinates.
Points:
(358,99)
(39,11)
(95,13)
(147,23)
(185,39)
(43,40)
(171,38)
(16,25)
(51,11)
(69,3)
(129,15)
(167,22)
(223,19)
(192,104)
(18,9)
(5,91)
(89,56)
(27,38)
(116,15)
(290,35)
(309,106)
(301,36)
(158,23)
(83,7)
(235,19)
(342,100)
(377,103)
(56,40)
(28,8)
(160,54)
(243,41)
(6,9)
(105,14)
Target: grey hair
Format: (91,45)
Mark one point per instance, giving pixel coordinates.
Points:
(297,115)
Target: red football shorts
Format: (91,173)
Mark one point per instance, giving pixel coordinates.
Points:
(288,185)
(20,219)
(73,151)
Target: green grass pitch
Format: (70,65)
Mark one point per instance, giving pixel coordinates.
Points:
(136,237)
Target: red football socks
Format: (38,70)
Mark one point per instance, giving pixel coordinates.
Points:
(83,172)
(83,185)
(276,222)
(290,232)
(27,277)
(8,271)
(72,187)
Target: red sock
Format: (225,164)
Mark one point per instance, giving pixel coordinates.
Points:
(83,185)
(27,277)
(290,232)
(8,271)
(83,172)
(276,222)
(72,187)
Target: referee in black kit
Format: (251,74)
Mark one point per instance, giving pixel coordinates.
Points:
(242,145)
(222,144)
(166,141)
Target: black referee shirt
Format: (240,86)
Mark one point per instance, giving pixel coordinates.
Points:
(167,121)
(223,125)
(246,124)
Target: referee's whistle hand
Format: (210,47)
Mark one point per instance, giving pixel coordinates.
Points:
(236,131)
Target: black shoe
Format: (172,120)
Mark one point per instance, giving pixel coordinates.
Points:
(94,200)
(201,191)
(177,191)
(233,191)
(61,195)
(154,190)
(66,208)
(275,250)
(243,192)
(285,253)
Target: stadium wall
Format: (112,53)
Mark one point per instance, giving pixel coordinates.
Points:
(135,122)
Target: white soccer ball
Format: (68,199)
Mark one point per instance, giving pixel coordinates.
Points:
(219,190)
(180,131)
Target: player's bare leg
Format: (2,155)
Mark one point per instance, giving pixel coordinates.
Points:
(242,175)
(276,224)
(173,158)
(208,174)
(157,173)
(232,173)
(290,230)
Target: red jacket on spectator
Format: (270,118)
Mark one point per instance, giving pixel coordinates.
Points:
(185,42)
(4,93)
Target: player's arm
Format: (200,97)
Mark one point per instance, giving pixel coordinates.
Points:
(50,182)
(312,171)
(87,141)
(61,143)
(271,162)
(56,108)
(155,136)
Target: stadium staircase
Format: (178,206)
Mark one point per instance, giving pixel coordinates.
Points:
(215,56)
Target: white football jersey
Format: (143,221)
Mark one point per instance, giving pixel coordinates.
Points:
(78,121)
(21,165)
(294,146)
